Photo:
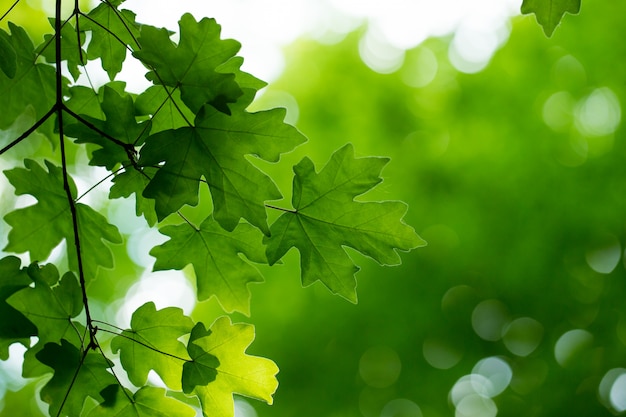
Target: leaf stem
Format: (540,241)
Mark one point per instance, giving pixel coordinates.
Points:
(80,364)
(146,345)
(280,209)
(30,130)
(9,11)
(66,183)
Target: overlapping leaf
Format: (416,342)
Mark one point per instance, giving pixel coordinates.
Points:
(29,84)
(152,343)
(550,12)
(112,31)
(39,228)
(326,217)
(146,402)
(14,326)
(76,376)
(133,182)
(215,149)
(214,254)
(71,48)
(237,372)
(191,65)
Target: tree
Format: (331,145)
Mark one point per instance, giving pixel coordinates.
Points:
(188,133)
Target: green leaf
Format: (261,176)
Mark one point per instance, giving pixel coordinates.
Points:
(191,65)
(146,402)
(550,12)
(71,48)
(167,110)
(112,31)
(202,368)
(32,84)
(237,372)
(14,326)
(39,228)
(326,218)
(214,254)
(8,57)
(76,376)
(120,123)
(50,305)
(248,83)
(215,149)
(130,182)
(152,343)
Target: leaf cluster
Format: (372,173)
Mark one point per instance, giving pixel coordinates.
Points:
(190,130)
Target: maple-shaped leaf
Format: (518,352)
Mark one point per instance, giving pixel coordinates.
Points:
(191,65)
(214,254)
(32,84)
(14,326)
(120,124)
(326,218)
(146,402)
(237,372)
(248,83)
(550,12)
(39,228)
(84,101)
(215,148)
(71,48)
(76,376)
(132,182)
(152,343)
(112,31)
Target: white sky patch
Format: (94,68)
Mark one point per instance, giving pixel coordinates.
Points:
(264,27)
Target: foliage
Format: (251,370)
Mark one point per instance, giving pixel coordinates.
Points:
(550,12)
(188,133)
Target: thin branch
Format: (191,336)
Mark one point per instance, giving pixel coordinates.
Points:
(114,374)
(66,183)
(76,14)
(30,130)
(145,345)
(126,146)
(99,182)
(106,29)
(123,20)
(280,209)
(187,221)
(9,11)
(108,324)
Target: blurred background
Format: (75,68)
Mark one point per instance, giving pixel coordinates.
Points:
(508,147)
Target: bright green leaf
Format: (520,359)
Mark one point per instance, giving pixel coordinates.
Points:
(76,376)
(215,149)
(550,12)
(326,218)
(31,85)
(130,182)
(39,228)
(8,57)
(202,368)
(237,372)
(111,32)
(152,343)
(214,254)
(191,65)
(14,326)
(248,83)
(146,402)
(167,110)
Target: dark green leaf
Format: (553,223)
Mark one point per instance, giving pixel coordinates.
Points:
(71,48)
(8,57)
(214,254)
(326,218)
(152,343)
(146,402)
(215,149)
(76,376)
(191,65)
(550,12)
(130,182)
(14,326)
(167,110)
(39,228)
(202,368)
(237,372)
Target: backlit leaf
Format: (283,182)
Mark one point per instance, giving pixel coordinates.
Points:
(146,402)
(326,218)
(550,12)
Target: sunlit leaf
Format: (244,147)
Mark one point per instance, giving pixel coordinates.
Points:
(550,12)
(146,402)
(326,218)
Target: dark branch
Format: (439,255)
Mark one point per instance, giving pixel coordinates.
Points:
(34,127)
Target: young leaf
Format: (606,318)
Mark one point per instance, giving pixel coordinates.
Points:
(152,343)
(14,326)
(146,402)
(191,65)
(33,84)
(76,376)
(215,149)
(237,372)
(214,254)
(326,217)
(550,12)
(112,31)
(39,228)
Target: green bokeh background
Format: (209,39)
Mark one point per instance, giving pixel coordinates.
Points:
(516,177)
